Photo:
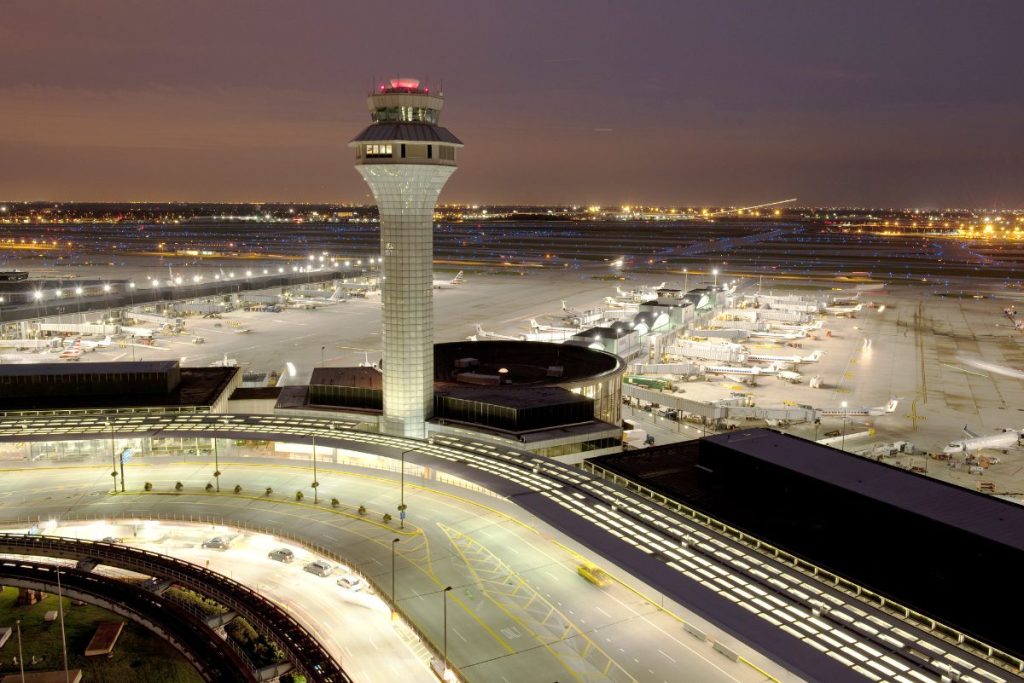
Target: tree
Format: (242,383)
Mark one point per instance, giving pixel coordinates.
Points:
(335,502)
(299,495)
(238,488)
(269,491)
(179,486)
(209,487)
(148,486)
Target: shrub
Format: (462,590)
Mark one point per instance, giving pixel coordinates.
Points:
(299,495)
(362,509)
(386,518)
(269,491)
(148,486)
(209,487)
(238,488)
(335,502)
(179,486)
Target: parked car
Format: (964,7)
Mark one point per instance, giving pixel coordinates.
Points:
(352,582)
(319,567)
(282,555)
(217,543)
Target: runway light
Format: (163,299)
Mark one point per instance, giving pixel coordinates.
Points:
(106,288)
(78,291)
(37,295)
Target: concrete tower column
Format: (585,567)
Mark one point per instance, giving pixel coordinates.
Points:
(406,158)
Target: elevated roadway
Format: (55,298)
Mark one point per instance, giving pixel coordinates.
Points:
(813,628)
(301,648)
(181,627)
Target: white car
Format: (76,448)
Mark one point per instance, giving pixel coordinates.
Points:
(352,582)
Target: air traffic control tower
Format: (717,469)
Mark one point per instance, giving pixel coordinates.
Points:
(406,157)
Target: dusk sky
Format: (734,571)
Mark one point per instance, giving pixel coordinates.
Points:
(869,103)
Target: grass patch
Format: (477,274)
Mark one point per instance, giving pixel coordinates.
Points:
(138,656)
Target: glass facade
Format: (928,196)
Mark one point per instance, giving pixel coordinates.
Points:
(406,115)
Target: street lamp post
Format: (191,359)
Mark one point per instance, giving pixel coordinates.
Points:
(316,484)
(21,656)
(444,596)
(216,457)
(845,414)
(686,280)
(715,273)
(113,455)
(401,492)
(322,349)
(394,596)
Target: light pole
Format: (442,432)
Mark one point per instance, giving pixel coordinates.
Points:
(316,484)
(845,413)
(686,280)
(113,455)
(216,457)
(715,273)
(444,596)
(401,492)
(394,596)
(322,349)
(21,655)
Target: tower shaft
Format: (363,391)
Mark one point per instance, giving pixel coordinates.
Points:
(405,195)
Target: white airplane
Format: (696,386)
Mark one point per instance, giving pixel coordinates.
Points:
(537,327)
(816,325)
(1004,439)
(449,284)
(481,333)
(639,294)
(93,345)
(624,306)
(796,334)
(888,408)
(790,376)
(843,310)
(785,360)
(73,353)
(739,371)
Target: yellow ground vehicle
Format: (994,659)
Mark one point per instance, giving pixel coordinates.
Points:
(594,575)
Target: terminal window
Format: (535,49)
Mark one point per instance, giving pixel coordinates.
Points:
(378,151)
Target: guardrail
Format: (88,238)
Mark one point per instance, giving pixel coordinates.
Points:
(260,529)
(307,655)
(941,630)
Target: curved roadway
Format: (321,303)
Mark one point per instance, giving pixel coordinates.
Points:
(809,627)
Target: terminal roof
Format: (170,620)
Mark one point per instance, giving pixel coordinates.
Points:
(952,505)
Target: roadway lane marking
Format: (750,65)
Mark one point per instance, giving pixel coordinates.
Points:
(662,653)
(456,632)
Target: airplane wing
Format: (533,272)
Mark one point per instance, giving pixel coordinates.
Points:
(969,433)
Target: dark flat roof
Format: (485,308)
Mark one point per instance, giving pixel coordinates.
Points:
(366,378)
(975,513)
(105,367)
(412,132)
(533,397)
(198,387)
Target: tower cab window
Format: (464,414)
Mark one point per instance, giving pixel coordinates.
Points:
(378,151)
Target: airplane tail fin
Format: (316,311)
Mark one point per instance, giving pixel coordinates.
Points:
(814,357)
(480,330)
(534,325)
(457,280)
(890,407)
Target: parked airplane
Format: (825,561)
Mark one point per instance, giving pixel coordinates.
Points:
(843,310)
(785,360)
(888,408)
(93,345)
(449,284)
(73,353)
(537,327)
(739,371)
(481,333)
(1001,440)
(624,306)
(816,325)
(796,334)
(639,294)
